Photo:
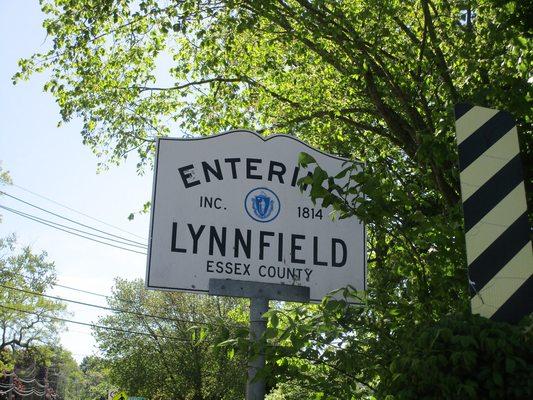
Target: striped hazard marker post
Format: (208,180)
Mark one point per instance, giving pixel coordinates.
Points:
(497,233)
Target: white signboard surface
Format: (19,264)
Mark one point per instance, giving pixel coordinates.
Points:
(229,207)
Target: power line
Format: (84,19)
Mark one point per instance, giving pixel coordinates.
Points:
(63,286)
(72,233)
(24,214)
(118,310)
(39,220)
(96,325)
(82,290)
(109,297)
(69,219)
(76,211)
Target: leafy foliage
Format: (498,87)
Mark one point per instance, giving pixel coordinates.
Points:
(371,80)
(292,391)
(96,383)
(176,357)
(457,356)
(43,371)
(22,315)
(52,369)
(64,374)
(465,357)
(28,334)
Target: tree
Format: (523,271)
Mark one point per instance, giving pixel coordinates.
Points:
(96,383)
(340,352)
(371,80)
(45,371)
(24,314)
(66,378)
(367,75)
(52,372)
(163,344)
(27,318)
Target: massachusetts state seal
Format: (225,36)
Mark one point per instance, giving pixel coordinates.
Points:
(262,204)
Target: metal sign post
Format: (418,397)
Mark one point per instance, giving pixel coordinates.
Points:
(255,389)
(259,294)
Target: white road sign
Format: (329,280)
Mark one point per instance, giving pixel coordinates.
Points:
(229,207)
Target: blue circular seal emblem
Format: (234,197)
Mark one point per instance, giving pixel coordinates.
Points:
(262,204)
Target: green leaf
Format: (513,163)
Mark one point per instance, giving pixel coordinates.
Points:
(274,320)
(304,159)
(230,353)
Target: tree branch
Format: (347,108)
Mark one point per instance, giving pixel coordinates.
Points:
(186,85)
(441,62)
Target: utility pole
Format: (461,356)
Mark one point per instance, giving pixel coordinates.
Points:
(259,294)
(255,390)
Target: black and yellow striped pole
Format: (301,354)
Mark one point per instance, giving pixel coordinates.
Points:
(498,244)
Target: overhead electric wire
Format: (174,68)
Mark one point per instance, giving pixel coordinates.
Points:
(111,309)
(96,325)
(67,231)
(64,286)
(82,290)
(76,211)
(105,307)
(118,310)
(69,219)
(24,214)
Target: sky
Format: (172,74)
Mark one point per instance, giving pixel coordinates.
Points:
(52,162)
